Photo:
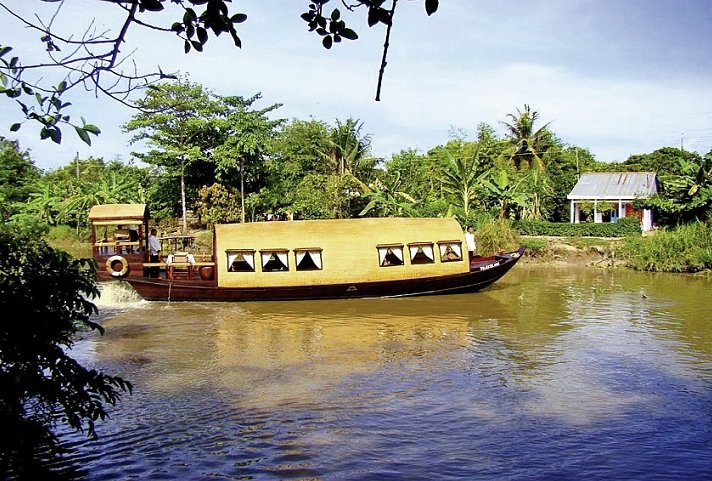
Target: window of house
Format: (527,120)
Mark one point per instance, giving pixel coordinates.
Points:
(450,251)
(308,259)
(241,260)
(390,255)
(421,253)
(274,260)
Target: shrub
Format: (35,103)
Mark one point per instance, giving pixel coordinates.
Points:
(687,248)
(495,235)
(623,227)
(45,296)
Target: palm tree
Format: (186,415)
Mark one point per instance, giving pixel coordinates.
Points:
(528,151)
(348,147)
(349,157)
(528,146)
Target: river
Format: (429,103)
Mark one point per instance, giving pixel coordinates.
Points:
(550,374)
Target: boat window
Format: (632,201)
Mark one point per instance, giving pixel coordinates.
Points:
(274,260)
(390,255)
(240,260)
(450,251)
(308,259)
(421,253)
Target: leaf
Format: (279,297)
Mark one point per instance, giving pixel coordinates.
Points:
(4,50)
(152,5)
(92,128)
(372,17)
(83,135)
(335,15)
(56,135)
(349,34)
(202,35)
(186,46)
(197,45)
(189,16)
(15,127)
(239,18)
(431,6)
(327,42)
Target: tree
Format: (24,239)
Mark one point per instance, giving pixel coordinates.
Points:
(176,119)
(49,295)
(686,195)
(348,147)
(17,172)
(244,136)
(528,152)
(507,192)
(93,59)
(389,199)
(459,179)
(664,161)
(527,146)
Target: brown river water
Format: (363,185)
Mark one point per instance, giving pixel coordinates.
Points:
(550,374)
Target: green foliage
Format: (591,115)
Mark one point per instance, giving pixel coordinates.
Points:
(535,247)
(686,194)
(623,227)
(507,191)
(528,147)
(17,172)
(244,135)
(495,235)
(387,199)
(216,204)
(311,198)
(459,179)
(663,161)
(687,248)
(46,297)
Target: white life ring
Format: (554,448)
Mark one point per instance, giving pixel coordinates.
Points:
(111,261)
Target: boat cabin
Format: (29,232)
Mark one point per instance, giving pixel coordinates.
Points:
(322,252)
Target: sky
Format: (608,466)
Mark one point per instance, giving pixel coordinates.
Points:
(616,77)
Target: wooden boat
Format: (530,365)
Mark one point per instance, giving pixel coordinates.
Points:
(311,259)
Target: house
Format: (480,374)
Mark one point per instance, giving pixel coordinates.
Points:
(608,196)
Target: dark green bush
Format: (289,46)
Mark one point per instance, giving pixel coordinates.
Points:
(623,227)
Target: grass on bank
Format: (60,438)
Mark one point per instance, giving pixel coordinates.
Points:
(687,248)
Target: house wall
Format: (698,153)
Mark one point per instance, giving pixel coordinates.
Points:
(625,209)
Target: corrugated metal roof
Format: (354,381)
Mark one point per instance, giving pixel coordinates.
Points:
(614,185)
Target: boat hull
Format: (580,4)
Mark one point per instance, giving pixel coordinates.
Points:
(483,272)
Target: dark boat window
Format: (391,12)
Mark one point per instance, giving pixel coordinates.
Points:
(274,261)
(390,255)
(308,259)
(421,253)
(241,261)
(450,251)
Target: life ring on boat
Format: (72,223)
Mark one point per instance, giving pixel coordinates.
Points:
(117,266)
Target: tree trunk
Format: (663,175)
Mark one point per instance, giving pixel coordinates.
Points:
(242,192)
(182,198)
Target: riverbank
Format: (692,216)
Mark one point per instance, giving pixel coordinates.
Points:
(587,251)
